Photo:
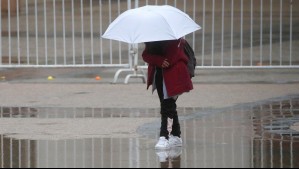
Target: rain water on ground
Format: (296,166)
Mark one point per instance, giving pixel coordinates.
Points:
(251,135)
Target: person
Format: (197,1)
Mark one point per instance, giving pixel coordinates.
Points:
(168,74)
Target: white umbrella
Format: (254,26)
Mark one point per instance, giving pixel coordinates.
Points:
(150,23)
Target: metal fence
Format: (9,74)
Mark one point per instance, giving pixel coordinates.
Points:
(67,33)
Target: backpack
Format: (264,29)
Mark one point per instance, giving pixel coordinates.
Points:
(191,58)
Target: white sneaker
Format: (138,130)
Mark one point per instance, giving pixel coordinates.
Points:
(175,141)
(162,144)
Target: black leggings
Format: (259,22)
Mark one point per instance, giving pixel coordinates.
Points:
(168,109)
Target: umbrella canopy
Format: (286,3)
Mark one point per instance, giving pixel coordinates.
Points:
(150,23)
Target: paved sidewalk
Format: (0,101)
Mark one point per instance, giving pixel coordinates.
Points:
(78,88)
(136,95)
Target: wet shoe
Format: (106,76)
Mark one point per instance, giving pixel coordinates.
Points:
(162,155)
(175,141)
(163,144)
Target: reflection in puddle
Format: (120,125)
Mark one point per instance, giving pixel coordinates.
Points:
(245,136)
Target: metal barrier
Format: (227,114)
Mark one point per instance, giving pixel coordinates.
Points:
(66,33)
(59,33)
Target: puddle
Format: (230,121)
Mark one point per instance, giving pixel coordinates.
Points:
(253,135)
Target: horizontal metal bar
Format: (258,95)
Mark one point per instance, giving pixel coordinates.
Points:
(68,66)
(248,67)
(240,67)
(145,67)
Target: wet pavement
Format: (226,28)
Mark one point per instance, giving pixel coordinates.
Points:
(251,135)
(235,118)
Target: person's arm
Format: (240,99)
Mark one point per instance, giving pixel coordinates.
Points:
(155,60)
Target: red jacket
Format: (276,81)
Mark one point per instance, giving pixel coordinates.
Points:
(176,76)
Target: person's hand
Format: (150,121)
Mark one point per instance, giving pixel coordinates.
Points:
(165,64)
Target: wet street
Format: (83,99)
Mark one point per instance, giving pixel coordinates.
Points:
(255,135)
(58,108)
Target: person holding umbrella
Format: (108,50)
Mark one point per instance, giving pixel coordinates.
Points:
(161,28)
(168,74)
